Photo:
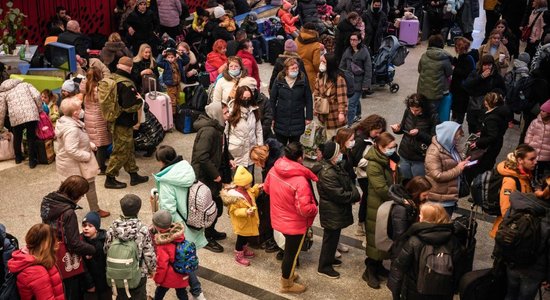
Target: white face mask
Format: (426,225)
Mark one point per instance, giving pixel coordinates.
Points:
(350,144)
(322,67)
(81,114)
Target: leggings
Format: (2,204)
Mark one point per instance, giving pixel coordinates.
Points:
(101,156)
(362,214)
(293,244)
(241,242)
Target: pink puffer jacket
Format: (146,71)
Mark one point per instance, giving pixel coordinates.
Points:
(538,137)
(96,126)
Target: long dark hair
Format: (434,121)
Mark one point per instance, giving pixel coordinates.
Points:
(332,67)
(235,116)
(416,186)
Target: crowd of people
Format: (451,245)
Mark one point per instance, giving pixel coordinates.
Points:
(358,159)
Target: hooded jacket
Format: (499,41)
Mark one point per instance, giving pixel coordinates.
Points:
(214,60)
(344,29)
(207,148)
(237,206)
(434,70)
(493,128)
(244,135)
(538,137)
(111,52)
(309,50)
(361,58)
(20,101)
(35,281)
(292,202)
(403,215)
(7,249)
(165,248)
(96,275)
(413,147)
(376,25)
(173,183)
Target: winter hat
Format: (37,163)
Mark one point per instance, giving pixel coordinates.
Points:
(253,16)
(140,1)
(126,61)
(242,177)
(92,218)
(286,5)
(331,150)
(130,205)
(219,12)
(248,81)
(524,57)
(546,106)
(69,86)
(162,219)
(291,46)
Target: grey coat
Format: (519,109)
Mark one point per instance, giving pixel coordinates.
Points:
(362,59)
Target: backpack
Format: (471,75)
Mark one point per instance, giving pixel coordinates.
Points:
(201,208)
(485,190)
(186,260)
(123,265)
(435,270)
(45,130)
(361,168)
(108,96)
(8,290)
(348,76)
(5,254)
(518,237)
(516,97)
(383,230)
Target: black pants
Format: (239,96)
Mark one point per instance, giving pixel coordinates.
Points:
(101,155)
(181,293)
(287,139)
(473,119)
(31,138)
(73,287)
(215,188)
(492,19)
(328,248)
(265,229)
(139,293)
(241,242)
(362,214)
(293,244)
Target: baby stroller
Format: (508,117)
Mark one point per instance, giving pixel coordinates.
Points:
(391,54)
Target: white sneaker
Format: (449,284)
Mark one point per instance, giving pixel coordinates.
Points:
(342,248)
(337,254)
(199,297)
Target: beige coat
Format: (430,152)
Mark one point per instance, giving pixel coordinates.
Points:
(442,172)
(503,66)
(74,156)
(20,101)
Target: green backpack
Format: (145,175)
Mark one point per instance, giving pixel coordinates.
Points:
(108,96)
(123,266)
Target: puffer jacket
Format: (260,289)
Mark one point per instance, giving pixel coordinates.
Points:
(538,137)
(173,183)
(245,135)
(225,86)
(57,208)
(491,139)
(165,248)
(442,172)
(361,58)
(309,50)
(20,101)
(434,70)
(288,20)
(337,193)
(95,124)
(280,66)
(111,52)
(413,148)
(74,154)
(237,205)
(288,105)
(207,148)
(292,202)
(403,215)
(502,66)
(131,229)
(96,275)
(169,12)
(35,281)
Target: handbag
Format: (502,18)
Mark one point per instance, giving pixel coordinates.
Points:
(356,69)
(6,146)
(526,31)
(321,105)
(69,264)
(464,186)
(44,130)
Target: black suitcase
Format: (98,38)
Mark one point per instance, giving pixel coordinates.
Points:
(482,285)
(275,47)
(44,151)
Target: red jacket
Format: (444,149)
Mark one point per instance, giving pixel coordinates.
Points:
(288,20)
(251,65)
(165,247)
(34,281)
(293,206)
(214,61)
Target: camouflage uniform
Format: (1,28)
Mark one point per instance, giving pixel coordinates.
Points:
(123,151)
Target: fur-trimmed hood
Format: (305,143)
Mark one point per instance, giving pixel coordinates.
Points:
(174,234)
(308,36)
(230,195)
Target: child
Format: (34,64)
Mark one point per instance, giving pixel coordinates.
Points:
(240,198)
(250,26)
(173,74)
(166,236)
(96,279)
(129,228)
(228,22)
(288,20)
(49,105)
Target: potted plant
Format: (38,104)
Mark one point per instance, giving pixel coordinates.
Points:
(10,25)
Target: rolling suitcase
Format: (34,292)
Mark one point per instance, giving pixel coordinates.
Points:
(44,151)
(482,285)
(160,105)
(408,32)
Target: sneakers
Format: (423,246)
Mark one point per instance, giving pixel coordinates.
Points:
(357,119)
(136,179)
(329,274)
(112,183)
(103,213)
(247,252)
(213,246)
(240,259)
(342,248)
(337,263)
(360,230)
(199,297)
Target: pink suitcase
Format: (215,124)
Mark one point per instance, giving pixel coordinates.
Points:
(408,32)
(160,105)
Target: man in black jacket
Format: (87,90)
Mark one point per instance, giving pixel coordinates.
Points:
(73,36)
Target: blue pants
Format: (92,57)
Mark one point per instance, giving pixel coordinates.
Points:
(353,103)
(260,47)
(409,168)
(161,291)
(521,286)
(194,284)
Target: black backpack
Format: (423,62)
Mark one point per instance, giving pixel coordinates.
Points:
(517,96)
(436,269)
(485,190)
(9,290)
(13,245)
(518,238)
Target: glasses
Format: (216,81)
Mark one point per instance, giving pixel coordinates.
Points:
(353,40)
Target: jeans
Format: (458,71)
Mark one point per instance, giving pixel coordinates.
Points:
(181,293)
(283,139)
(353,102)
(328,249)
(293,244)
(194,284)
(260,47)
(410,168)
(521,286)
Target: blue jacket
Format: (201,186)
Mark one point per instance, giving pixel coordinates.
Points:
(167,76)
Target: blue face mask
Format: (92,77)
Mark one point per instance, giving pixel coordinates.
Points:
(389,152)
(235,73)
(293,74)
(340,157)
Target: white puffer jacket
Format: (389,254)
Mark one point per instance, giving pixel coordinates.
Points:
(20,100)
(245,135)
(538,137)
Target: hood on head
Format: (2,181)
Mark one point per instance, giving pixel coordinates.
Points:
(214,111)
(521,67)
(180,174)
(286,168)
(445,134)
(381,6)
(433,234)
(438,54)
(206,121)
(308,36)
(398,194)
(9,84)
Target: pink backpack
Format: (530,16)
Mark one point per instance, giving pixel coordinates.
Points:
(45,130)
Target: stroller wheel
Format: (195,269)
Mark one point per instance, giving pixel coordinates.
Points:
(394,87)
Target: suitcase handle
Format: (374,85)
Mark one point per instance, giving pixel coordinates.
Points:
(152,92)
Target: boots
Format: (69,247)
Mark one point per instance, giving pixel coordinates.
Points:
(136,179)
(288,286)
(239,258)
(370,275)
(294,277)
(360,231)
(112,183)
(381,271)
(247,252)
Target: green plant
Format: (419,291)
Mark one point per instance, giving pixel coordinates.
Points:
(10,25)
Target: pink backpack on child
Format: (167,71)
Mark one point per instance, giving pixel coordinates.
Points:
(45,130)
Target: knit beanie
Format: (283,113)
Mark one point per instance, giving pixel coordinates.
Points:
(69,86)
(524,57)
(92,218)
(546,106)
(286,5)
(130,205)
(291,46)
(162,219)
(331,150)
(242,177)
(219,12)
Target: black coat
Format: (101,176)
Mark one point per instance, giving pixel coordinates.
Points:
(280,66)
(343,32)
(96,267)
(207,148)
(337,193)
(493,128)
(144,24)
(80,42)
(307,10)
(464,64)
(403,214)
(127,98)
(477,87)
(375,28)
(266,113)
(288,105)
(410,147)
(241,6)
(138,67)
(214,32)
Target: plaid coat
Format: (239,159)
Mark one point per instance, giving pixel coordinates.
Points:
(337,98)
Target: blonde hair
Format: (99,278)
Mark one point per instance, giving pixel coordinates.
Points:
(139,56)
(493,99)
(259,154)
(41,243)
(70,105)
(114,37)
(434,213)
(521,151)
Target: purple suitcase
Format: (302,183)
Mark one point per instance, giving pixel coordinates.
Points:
(160,105)
(408,32)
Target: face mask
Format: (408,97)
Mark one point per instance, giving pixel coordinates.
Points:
(340,157)
(293,74)
(389,152)
(322,67)
(350,144)
(81,114)
(376,10)
(235,73)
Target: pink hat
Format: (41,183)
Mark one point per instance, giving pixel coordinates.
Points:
(286,6)
(546,106)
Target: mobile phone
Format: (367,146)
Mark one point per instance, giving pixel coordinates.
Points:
(473,162)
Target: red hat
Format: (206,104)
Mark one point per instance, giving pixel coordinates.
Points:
(546,106)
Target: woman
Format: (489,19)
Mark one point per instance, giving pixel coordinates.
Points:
(244,127)
(497,50)
(517,171)
(345,138)
(508,38)
(226,86)
(113,50)
(96,126)
(290,95)
(463,64)
(418,128)
(365,134)
(357,61)
(344,30)
(75,150)
(21,103)
(309,49)
(142,26)
(337,193)
(381,173)
(58,210)
(491,137)
(330,84)
(216,61)
(290,52)
(409,277)
(536,23)
(38,277)
(484,80)
(193,68)
(144,66)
